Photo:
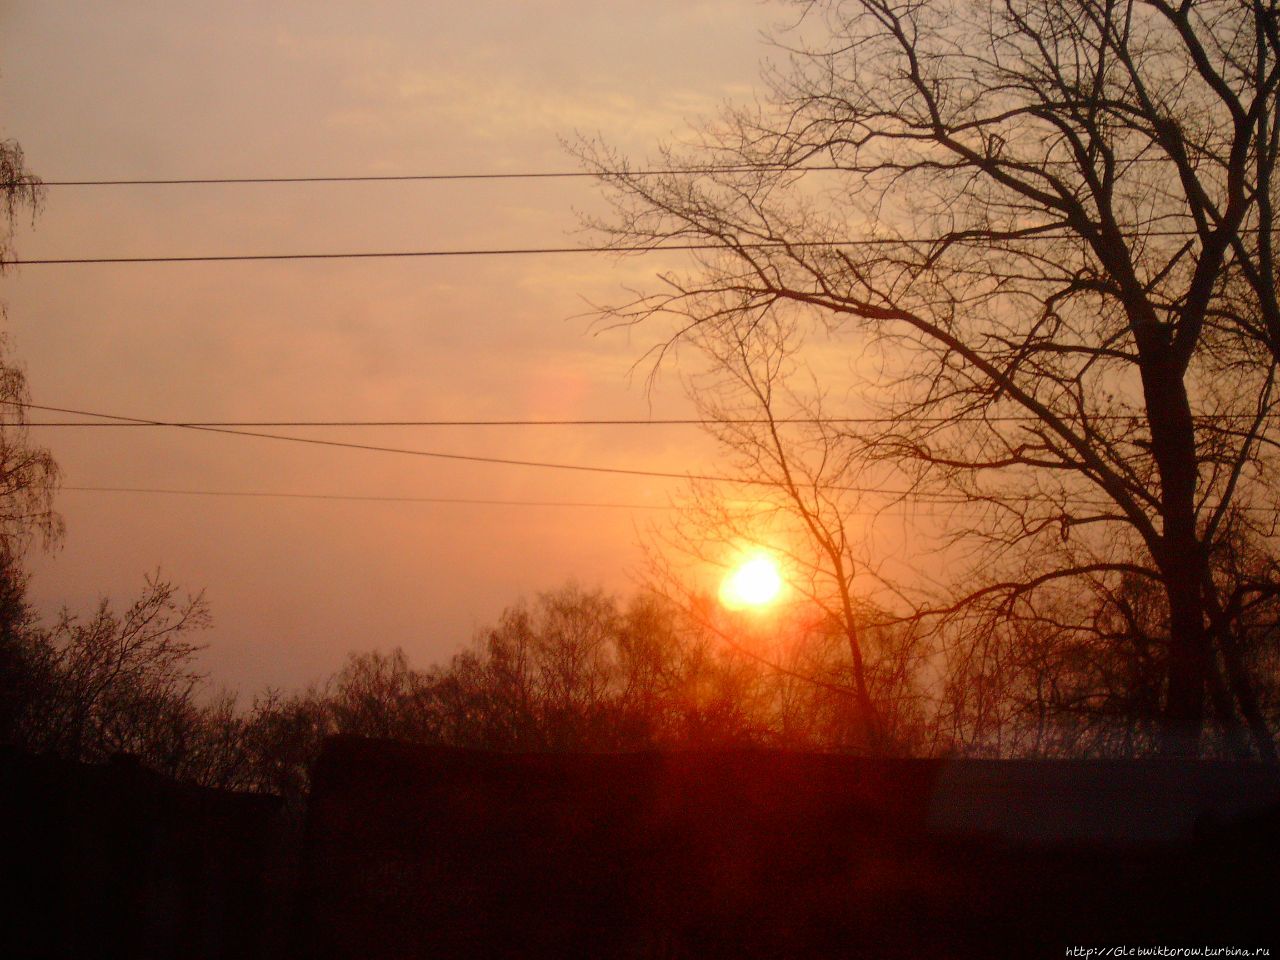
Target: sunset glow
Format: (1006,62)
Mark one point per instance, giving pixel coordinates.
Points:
(756,582)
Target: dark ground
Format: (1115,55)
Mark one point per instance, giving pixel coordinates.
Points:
(114,860)
(414,851)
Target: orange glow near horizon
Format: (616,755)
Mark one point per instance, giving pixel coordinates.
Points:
(756,582)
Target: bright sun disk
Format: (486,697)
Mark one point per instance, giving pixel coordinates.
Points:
(753,583)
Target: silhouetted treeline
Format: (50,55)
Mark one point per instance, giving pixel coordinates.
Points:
(579,670)
(572,670)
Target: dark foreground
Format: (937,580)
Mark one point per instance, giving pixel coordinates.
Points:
(415,851)
(114,860)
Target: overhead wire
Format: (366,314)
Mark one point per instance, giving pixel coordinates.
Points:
(235,427)
(420,177)
(703,169)
(371,498)
(913,495)
(608,422)
(465,501)
(895,510)
(363,255)
(443,455)
(729,245)
(377,448)
(450,456)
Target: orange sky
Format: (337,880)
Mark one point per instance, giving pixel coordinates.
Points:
(293,89)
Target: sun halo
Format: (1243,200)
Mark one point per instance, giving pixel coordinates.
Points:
(754,583)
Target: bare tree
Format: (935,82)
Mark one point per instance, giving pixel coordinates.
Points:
(380,695)
(19,188)
(802,504)
(118,681)
(1049,225)
(28,475)
(28,481)
(281,739)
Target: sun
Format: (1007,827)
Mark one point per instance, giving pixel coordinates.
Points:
(756,582)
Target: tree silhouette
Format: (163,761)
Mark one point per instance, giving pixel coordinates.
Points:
(28,481)
(19,188)
(1045,229)
(28,474)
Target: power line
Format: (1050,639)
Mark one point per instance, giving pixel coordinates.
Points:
(604,422)
(914,495)
(466,501)
(728,245)
(705,169)
(474,458)
(426,177)
(408,254)
(677,422)
(891,511)
(479,252)
(266,494)
(432,454)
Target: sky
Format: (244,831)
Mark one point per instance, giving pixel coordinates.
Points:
(220,89)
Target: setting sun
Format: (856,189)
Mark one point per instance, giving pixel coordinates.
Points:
(753,583)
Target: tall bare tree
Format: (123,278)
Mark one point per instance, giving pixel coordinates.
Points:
(28,474)
(1050,223)
(802,506)
(19,189)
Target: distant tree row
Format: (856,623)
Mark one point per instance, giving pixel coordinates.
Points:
(580,670)
(573,670)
